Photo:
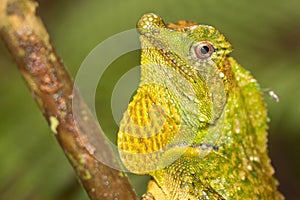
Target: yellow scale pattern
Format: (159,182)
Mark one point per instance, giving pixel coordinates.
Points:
(149,124)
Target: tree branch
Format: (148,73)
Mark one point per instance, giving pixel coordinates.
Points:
(28,41)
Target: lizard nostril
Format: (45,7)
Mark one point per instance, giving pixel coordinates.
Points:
(150,24)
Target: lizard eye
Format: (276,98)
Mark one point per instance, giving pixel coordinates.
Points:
(204,50)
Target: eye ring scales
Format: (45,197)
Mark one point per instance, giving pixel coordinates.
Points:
(204,50)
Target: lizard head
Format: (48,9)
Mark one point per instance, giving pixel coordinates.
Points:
(197,45)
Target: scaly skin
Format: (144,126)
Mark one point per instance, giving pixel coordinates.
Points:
(197,123)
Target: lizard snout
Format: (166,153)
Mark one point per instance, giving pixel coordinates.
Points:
(150,24)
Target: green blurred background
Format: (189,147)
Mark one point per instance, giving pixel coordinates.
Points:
(266,38)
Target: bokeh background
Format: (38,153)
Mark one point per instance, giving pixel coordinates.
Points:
(266,38)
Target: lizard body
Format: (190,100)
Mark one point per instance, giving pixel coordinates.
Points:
(198,121)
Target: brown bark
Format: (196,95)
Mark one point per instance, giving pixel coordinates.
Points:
(51,86)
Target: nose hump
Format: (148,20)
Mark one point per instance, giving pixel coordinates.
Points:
(148,22)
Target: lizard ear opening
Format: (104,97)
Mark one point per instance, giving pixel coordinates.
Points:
(203,50)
